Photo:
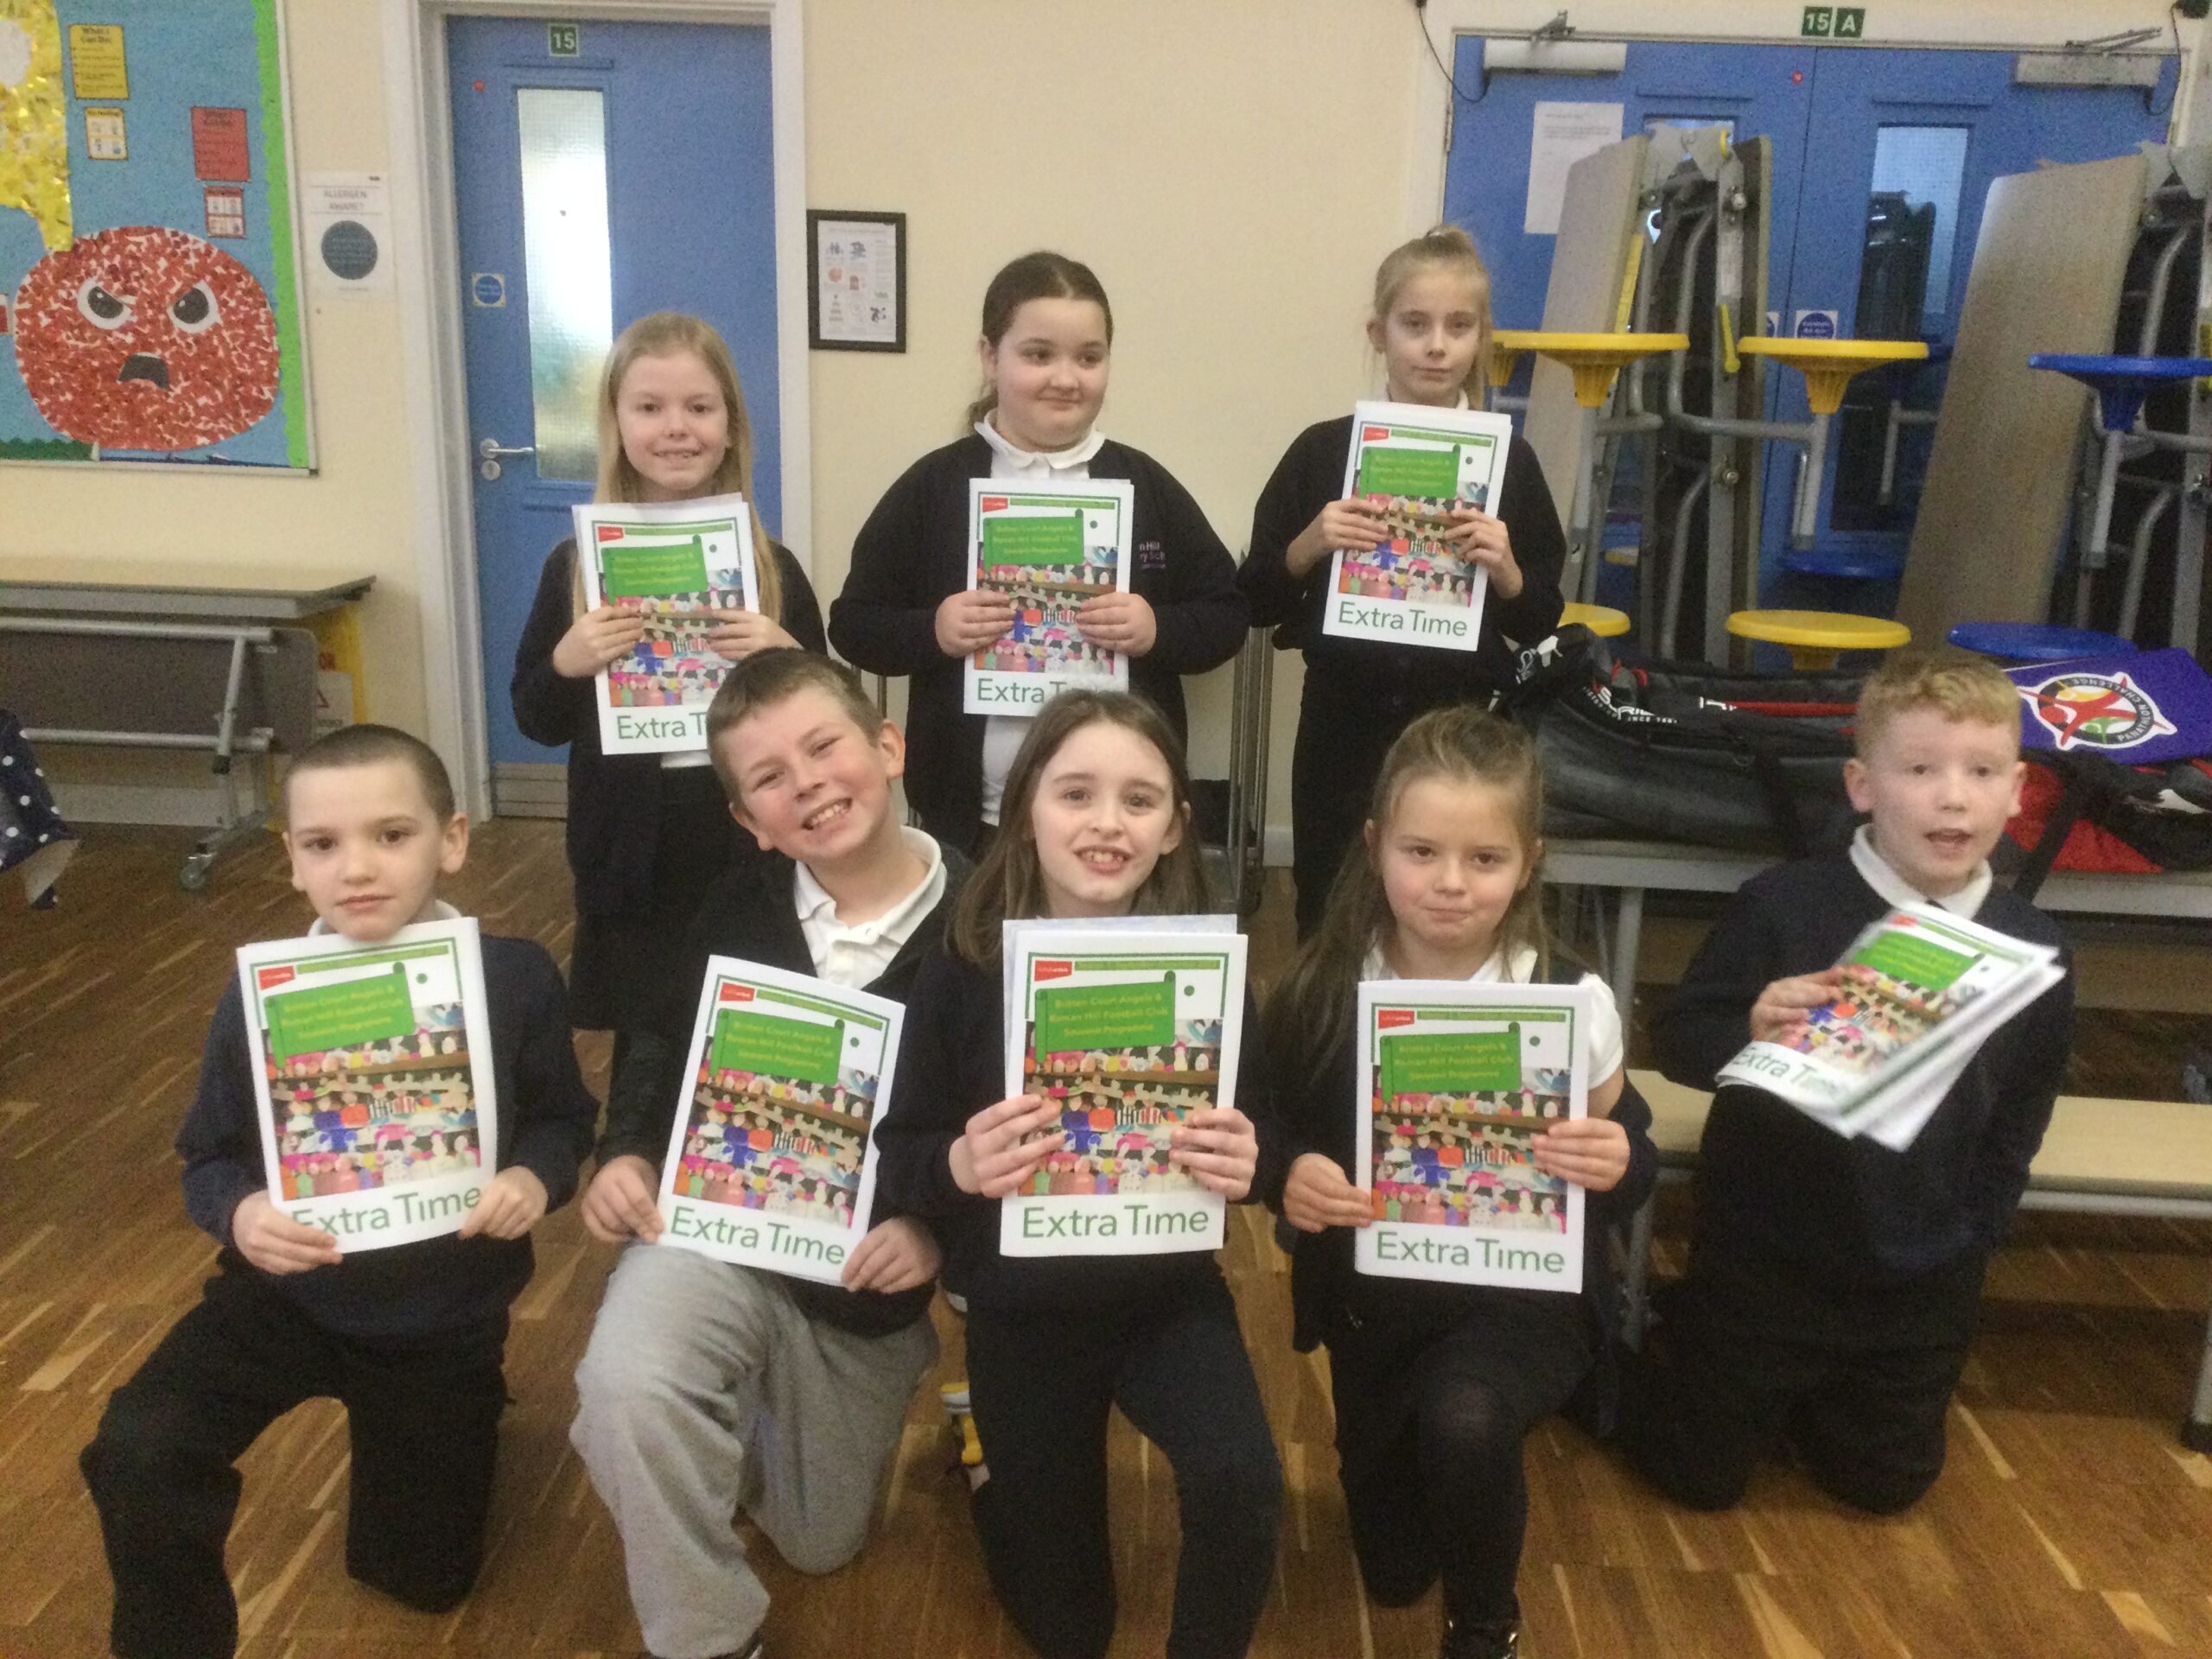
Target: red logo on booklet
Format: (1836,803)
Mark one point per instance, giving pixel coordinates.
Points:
(992,504)
(276,976)
(737,994)
(1386,1017)
(1373,434)
(610,533)
(1054,969)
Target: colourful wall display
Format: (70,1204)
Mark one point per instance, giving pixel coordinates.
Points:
(149,288)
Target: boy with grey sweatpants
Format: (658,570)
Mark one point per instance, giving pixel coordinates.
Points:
(710,1386)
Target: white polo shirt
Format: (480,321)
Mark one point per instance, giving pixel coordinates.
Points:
(1893,889)
(1608,1053)
(856,956)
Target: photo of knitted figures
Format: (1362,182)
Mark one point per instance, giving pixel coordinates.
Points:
(1044,638)
(367,1114)
(1884,1004)
(1119,1107)
(784,1145)
(1454,1130)
(1414,562)
(671,665)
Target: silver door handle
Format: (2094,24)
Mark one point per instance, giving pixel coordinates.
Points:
(491,448)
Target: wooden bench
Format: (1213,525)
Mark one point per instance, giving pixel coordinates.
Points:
(2100,1157)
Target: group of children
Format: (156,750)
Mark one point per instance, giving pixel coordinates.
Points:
(1832,1285)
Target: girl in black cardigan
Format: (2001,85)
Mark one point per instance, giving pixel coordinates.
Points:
(1436,1384)
(1430,324)
(647,837)
(1097,823)
(906,607)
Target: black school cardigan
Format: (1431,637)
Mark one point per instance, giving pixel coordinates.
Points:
(614,800)
(750,912)
(1330,1296)
(436,1285)
(1365,691)
(1785,1205)
(951,1065)
(912,554)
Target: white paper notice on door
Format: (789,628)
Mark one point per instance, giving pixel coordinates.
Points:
(1562,135)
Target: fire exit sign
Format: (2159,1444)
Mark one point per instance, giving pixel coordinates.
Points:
(1834,24)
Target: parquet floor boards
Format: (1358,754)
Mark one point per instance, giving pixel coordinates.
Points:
(2068,1521)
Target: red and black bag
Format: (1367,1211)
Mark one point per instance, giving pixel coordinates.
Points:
(2086,811)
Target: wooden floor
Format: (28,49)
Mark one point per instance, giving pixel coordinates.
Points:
(2069,1522)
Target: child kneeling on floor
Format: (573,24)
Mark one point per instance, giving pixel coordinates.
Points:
(1834,1284)
(710,1386)
(411,1337)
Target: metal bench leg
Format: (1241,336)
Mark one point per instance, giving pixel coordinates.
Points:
(2197,1433)
(1628,932)
(1635,1280)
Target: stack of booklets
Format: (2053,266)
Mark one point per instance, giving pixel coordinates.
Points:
(1128,1025)
(1922,989)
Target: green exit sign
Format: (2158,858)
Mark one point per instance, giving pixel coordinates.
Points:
(1834,24)
(563,40)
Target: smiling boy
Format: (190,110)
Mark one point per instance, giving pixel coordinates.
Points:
(710,1386)
(1834,1284)
(410,1339)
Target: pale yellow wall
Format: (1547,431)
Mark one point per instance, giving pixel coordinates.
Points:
(1232,169)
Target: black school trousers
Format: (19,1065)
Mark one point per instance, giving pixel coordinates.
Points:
(423,1417)
(1429,1432)
(1043,1385)
(1858,1384)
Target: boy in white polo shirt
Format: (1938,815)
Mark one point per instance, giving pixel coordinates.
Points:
(709,1386)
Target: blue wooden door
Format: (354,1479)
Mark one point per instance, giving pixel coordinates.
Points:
(1755,91)
(601,171)
(1904,145)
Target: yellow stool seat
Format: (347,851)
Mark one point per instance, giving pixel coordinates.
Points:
(1813,638)
(1829,364)
(1593,360)
(1601,619)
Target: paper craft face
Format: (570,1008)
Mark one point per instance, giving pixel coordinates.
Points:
(145,338)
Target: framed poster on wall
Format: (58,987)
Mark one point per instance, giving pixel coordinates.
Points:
(148,260)
(856,280)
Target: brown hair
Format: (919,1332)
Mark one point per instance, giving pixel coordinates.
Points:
(1956,684)
(767,679)
(1008,885)
(370,746)
(667,333)
(1311,1010)
(1039,275)
(1449,246)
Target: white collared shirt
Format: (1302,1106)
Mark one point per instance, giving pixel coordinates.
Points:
(1003,733)
(1608,1051)
(1893,889)
(857,955)
(440,911)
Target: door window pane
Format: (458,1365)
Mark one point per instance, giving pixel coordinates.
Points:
(1912,219)
(567,260)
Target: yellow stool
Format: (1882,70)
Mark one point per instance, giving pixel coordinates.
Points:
(1593,360)
(1813,638)
(1827,366)
(1601,619)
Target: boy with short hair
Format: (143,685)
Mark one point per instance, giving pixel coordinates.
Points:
(1833,1283)
(410,1337)
(710,1386)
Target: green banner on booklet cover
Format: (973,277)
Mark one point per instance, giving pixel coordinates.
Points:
(768,1044)
(1396,469)
(1136,1015)
(1032,540)
(1902,956)
(1455,1063)
(668,568)
(336,1016)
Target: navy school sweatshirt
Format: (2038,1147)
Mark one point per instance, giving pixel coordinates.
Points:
(449,1283)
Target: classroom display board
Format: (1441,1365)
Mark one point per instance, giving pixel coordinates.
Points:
(149,286)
